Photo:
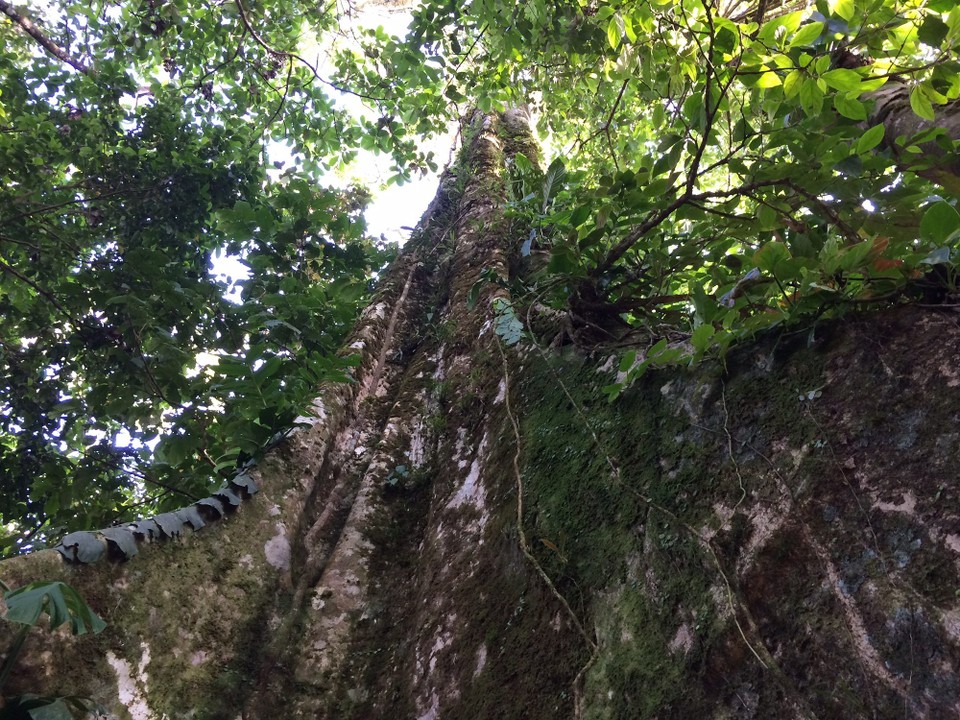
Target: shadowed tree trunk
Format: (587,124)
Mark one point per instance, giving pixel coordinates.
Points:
(777,539)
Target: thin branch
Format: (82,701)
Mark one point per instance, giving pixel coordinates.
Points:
(655,218)
(146,367)
(283,99)
(299,58)
(49,296)
(605,128)
(49,45)
(169,488)
(4,238)
(832,214)
(57,206)
(218,68)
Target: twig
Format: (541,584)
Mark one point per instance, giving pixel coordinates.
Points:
(47,295)
(57,206)
(299,58)
(283,99)
(49,45)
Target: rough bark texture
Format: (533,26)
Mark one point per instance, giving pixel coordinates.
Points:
(779,538)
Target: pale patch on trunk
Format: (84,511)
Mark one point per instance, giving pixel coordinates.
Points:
(277,549)
(132,689)
(907,506)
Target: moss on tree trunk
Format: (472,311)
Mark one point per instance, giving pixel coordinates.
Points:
(776,538)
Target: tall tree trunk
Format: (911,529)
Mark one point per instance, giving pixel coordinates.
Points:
(467,531)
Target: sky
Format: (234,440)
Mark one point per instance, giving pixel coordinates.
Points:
(393,209)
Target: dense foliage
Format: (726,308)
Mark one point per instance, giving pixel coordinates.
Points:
(119,180)
(726,168)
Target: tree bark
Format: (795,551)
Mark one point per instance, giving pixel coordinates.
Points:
(469,531)
(892,109)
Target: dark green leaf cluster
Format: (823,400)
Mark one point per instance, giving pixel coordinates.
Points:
(729,167)
(132,378)
(64,606)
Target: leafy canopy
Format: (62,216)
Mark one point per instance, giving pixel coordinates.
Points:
(726,168)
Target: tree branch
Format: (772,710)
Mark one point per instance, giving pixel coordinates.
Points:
(283,53)
(39,290)
(49,45)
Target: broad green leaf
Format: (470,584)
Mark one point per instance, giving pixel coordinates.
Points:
(768,80)
(933,31)
(771,257)
(552,181)
(613,32)
(791,84)
(939,222)
(953,21)
(870,139)
(700,339)
(853,257)
(921,104)
(768,217)
(807,34)
(811,97)
(842,8)
(842,79)
(781,27)
(869,85)
(849,107)
(58,600)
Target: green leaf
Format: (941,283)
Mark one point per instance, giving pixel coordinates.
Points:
(842,8)
(771,257)
(701,337)
(921,104)
(811,97)
(933,31)
(853,257)
(792,83)
(939,222)
(613,32)
(870,139)
(849,107)
(768,217)
(768,80)
(807,34)
(628,28)
(842,79)
(552,180)
(506,324)
(785,24)
(58,600)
